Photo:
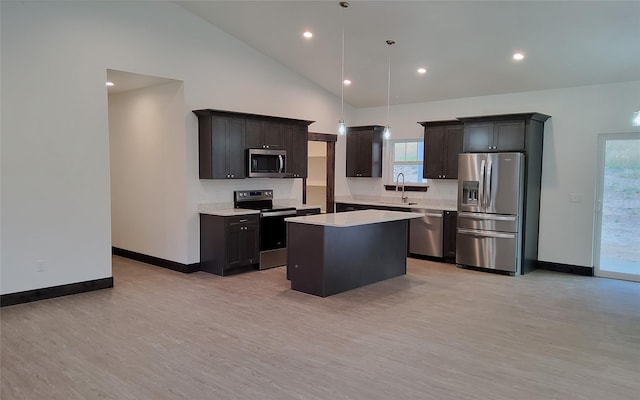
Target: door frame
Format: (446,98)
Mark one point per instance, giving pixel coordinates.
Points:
(597,213)
(331,168)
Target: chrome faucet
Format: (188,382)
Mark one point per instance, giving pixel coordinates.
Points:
(404,198)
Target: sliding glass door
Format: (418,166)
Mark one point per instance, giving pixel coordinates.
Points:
(617,222)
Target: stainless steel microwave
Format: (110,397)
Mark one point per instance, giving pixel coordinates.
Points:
(267,163)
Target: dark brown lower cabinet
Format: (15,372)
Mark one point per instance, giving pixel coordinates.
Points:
(229,244)
(343,207)
(308,211)
(449,236)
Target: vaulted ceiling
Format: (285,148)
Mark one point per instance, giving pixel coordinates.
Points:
(466,46)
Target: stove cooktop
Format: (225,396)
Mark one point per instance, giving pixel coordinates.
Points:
(257,200)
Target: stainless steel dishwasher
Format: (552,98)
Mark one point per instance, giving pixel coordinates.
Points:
(425,234)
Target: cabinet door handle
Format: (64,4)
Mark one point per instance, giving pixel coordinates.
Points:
(244,220)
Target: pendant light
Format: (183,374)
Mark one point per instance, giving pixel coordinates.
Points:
(342,127)
(386,133)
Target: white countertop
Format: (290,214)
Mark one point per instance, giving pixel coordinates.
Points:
(213,209)
(354,218)
(227,210)
(298,206)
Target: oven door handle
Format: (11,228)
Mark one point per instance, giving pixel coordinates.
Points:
(287,213)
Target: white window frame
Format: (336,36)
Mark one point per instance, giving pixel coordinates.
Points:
(388,170)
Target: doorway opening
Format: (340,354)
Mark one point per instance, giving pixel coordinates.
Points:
(317,174)
(148,168)
(322,149)
(617,217)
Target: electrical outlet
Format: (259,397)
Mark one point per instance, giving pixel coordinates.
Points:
(40,265)
(575,197)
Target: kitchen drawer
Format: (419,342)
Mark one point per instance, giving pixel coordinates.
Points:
(242,219)
(487,249)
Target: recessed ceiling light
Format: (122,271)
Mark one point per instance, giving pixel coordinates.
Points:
(109,84)
(347,82)
(307,35)
(422,70)
(518,56)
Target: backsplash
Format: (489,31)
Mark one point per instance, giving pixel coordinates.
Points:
(220,191)
(370,189)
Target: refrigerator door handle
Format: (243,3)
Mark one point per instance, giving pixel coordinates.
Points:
(481,194)
(492,217)
(489,234)
(489,201)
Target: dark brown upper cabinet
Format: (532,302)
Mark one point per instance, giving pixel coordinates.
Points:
(225,136)
(221,145)
(442,144)
(364,151)
(500,133)
(294,139)
(264,135)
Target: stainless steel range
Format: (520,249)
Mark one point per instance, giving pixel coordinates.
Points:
(273,228)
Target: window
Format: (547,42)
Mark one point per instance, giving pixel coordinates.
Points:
(406,157)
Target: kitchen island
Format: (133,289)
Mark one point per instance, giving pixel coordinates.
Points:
(333,253)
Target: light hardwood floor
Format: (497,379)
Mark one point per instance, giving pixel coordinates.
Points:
(437,333)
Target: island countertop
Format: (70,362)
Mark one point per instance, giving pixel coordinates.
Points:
(354,218)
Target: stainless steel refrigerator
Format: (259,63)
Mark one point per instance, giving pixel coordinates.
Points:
(490,211)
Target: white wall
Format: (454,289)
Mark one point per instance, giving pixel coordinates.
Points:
(55,145)
(578,115)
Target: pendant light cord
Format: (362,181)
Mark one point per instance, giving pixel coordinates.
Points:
(342,81)
(388,86)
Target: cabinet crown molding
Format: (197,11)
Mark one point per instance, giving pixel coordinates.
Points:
(506,117)
(236,114)
(440,123)
(536,116)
